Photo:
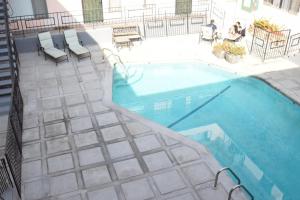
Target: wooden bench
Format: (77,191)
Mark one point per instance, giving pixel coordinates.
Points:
(131,32)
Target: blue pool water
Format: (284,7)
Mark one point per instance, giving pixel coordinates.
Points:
(249,127)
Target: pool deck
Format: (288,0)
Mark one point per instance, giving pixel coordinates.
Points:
(78,145)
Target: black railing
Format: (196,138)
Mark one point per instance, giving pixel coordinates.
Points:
(10,130)
(184,22)
(267,44)
(167,24)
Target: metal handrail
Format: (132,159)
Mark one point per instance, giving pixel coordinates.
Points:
(115,56)
(226,169)
(240,186)
(8,39)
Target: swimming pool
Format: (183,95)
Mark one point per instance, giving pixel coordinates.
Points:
(244,122)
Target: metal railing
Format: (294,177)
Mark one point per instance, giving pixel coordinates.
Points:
(237,187)
(27,24)
(267,44)
(223,170)
(11,154)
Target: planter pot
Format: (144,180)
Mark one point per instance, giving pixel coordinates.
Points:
(232,58)
(219,54)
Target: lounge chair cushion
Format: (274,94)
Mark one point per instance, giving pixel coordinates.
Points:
(46,40)
(55,53)
(78,49)
(207,33)
(71,37)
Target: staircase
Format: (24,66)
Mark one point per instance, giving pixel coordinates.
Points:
(11,112)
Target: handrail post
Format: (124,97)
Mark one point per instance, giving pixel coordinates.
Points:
(222,170)
(239,186)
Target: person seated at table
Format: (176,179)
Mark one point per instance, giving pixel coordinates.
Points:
(212,25)
(235,32)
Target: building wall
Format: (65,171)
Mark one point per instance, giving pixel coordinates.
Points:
(64,5)
(21,7)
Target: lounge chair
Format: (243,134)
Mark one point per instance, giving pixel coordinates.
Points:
(208,34)
(74,46)
(46,45)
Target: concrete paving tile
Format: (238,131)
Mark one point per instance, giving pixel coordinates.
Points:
(137,128)
(30,121)
(198,173)
(63,184)
(168,182)
(210,193)
(169,141)
(31,169)
(38,189)
(74,99)
(128,168)
(55,129)
(157,161)
(99,107)
(51,103)
(85,139)
(119,149)
(32,150)
(103,194)
(57,145)
(184,154)
(106,118)
(32,134)
(60,163)
(143,192)
(96,176)
(81,124)
(90,156)
(187,196)
(95,95)
(52,115)
(49,92)
(112,133)
(147,143)
(78,111)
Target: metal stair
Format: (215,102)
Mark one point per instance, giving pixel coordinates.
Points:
(11,111)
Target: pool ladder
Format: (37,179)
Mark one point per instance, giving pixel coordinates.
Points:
(239,185)
(117,57)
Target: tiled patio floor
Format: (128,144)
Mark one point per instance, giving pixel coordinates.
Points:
(77,148)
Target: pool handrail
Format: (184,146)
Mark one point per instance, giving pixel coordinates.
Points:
(240,186)
(226,169)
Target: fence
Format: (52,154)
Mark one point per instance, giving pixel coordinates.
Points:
(149,15)
(268,44)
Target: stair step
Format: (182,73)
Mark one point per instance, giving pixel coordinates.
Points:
(4,58)
(5,91)
(3,51)
(4,65)
(3,43)
(4,101)
(4,110)
(5,75)
(6,83)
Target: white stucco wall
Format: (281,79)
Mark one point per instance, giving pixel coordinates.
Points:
(21,7)
(72,7)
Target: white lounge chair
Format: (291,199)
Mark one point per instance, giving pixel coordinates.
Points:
(74,46)
(46,45)
(207,34)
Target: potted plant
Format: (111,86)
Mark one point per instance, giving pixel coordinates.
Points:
(234,53)
(218,50)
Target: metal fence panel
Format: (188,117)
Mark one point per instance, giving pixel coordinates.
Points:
(268,45)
